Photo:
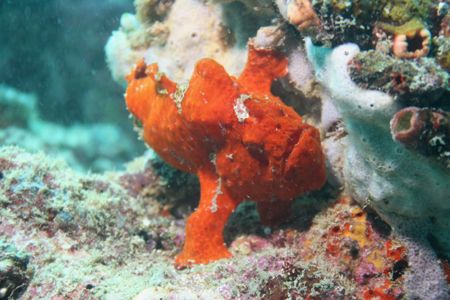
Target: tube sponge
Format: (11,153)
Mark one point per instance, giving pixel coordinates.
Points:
(398,182)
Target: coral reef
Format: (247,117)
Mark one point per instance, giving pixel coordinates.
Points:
(21,124)
(404,28)
(78,230)
(376,169)
(332,22)
(225,126)
(420,82)
(103,237)
(351,95)
(369,79)
(424,130)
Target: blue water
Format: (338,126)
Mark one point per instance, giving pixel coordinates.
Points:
(52,58)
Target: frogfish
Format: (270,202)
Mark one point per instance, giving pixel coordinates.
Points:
(242,142)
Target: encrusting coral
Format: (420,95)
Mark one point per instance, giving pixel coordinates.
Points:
(241,141)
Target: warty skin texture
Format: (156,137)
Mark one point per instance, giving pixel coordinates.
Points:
(242,142)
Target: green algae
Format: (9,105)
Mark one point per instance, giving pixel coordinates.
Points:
(410,26)
(401,11)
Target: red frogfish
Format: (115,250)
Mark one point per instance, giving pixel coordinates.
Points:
(242,142)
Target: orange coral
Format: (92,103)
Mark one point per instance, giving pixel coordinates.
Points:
(241,141)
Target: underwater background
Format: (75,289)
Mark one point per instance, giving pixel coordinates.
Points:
(224,149)
(53,54)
